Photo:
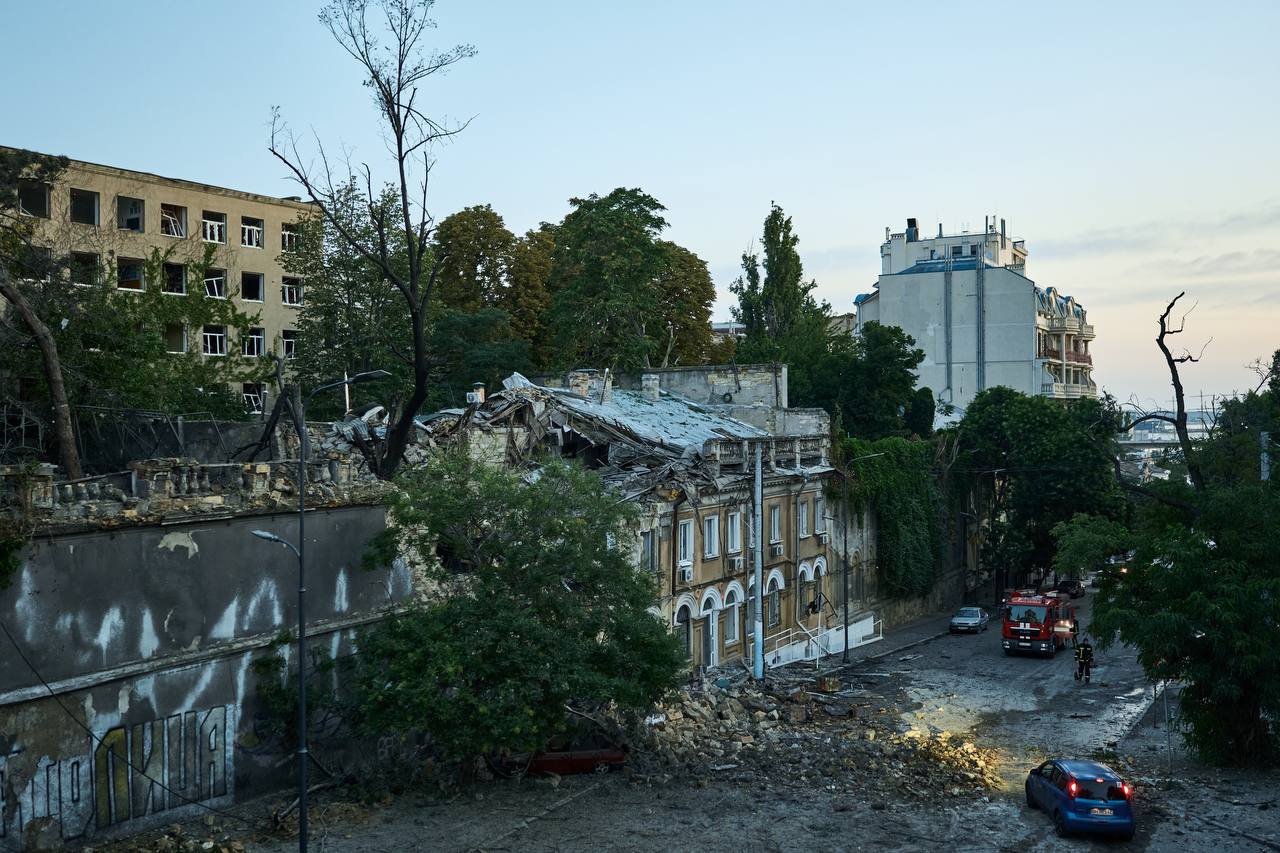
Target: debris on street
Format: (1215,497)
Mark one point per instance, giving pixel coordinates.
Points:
(785,734)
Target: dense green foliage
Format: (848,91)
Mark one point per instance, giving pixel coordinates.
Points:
(1085,543)
(1200,597)
(1033,463)
(622,297)
(895,477)
(352,318)
(537,611)
(866,381)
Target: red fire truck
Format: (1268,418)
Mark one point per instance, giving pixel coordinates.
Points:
(1037,623)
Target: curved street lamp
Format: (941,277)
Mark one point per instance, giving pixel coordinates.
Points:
(304,453)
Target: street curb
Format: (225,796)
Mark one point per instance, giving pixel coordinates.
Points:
(906,646)
(840,667)
(1137,721)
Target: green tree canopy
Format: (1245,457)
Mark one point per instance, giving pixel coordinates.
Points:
(527,297)
(866,381)
(1200,597)
(353,318)
(1038,462)
(539,610)
(475,250)
(622,297)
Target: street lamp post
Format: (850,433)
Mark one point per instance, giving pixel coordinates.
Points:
(844,513)
(304,453)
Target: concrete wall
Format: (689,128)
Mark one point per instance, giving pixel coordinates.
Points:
(145,636)
(917,303)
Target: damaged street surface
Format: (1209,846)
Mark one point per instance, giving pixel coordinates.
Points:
(922,742)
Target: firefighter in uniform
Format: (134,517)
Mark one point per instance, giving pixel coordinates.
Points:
(1075,633)
(1084,660)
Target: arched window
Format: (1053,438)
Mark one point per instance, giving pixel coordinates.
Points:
(731,617)
(684,627)
(773,602)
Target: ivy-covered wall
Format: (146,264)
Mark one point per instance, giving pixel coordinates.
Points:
(894,478)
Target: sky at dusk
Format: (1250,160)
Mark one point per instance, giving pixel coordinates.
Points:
(1133,146)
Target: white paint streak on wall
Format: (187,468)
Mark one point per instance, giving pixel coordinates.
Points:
(109,631)
(340,592)
(225,627)
(401,580)
(241,675)
(149,642)
(24,606)
(177,539)
(266,593)
(201,685)
(335,643)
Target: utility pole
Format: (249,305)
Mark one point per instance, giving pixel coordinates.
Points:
(844,515)
(757,524)
(1265,441)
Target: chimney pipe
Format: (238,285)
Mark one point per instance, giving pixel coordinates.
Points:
(651,386)
(579,382)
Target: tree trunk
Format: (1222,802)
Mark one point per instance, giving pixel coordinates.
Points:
(68,454)
(1180,417)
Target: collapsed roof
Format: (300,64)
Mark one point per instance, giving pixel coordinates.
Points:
(638,441)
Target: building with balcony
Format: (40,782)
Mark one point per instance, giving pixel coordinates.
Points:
(968,303)
(115,224)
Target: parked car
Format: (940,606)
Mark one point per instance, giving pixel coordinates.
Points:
(581,755)
(1072,587)
(969,619)
(1082,796)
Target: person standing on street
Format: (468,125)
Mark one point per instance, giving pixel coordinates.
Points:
(1084,660)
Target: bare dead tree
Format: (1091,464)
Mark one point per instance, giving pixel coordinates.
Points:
(1180,414)
(395,73)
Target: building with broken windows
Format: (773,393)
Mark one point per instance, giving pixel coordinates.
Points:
(682,443)
(224,243)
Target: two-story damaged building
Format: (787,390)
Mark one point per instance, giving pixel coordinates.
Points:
(690,465)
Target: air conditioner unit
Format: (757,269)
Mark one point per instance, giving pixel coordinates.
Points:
(776,549)
(686,573)
(736,563)
(473,398)
(823,537)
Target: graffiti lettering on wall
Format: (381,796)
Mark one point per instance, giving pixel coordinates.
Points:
(131,773)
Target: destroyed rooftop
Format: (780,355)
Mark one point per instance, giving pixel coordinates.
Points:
(632,438)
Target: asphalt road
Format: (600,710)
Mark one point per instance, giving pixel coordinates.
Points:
(1029,706)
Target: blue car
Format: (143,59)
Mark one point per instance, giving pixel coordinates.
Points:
(1082,796)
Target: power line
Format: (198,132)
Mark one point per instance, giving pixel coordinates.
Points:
(125,758)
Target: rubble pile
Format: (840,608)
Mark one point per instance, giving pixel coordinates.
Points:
(787,734)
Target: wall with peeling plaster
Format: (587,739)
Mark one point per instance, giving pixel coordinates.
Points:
(146,636)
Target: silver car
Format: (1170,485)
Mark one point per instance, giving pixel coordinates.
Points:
(969,619)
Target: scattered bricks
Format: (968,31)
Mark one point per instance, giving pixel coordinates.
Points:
(829,684)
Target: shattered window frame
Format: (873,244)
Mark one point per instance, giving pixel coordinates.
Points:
(684,541)
(711,536)
(213,340)
(733,529)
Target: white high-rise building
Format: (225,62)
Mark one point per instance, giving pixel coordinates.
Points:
(981,322)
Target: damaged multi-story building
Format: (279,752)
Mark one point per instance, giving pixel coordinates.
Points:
(223,243)
(682,444)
